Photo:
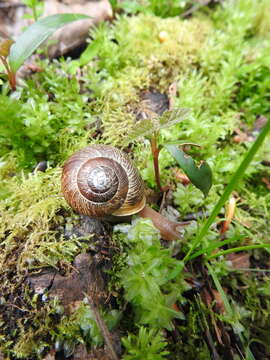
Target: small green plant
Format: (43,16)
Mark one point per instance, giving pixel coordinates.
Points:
(81,327)
(37,8)
(148,344)
(13,55)
(150,127)
(152,277)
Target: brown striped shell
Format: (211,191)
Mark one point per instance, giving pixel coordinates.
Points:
(100,180)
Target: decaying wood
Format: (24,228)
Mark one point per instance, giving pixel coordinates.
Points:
(86,278)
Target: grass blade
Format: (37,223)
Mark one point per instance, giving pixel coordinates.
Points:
(240,248)
(228,308)
(215,245)
(237,176)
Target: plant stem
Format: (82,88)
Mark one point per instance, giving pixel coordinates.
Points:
(11,75)
(12,80)
(237,176)
(155,152)
(35,16)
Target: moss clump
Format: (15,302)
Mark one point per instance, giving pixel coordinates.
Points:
(220,63)
(132,58)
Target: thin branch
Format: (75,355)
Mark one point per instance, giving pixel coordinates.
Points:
(102,327)
(195,8)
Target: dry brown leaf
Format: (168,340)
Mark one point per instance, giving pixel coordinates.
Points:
(181,177)
(219,304)
(239,260)
(267,182)
(230,209)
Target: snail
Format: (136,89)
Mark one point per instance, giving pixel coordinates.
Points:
(100,180)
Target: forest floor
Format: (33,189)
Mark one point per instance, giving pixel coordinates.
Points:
(72,287)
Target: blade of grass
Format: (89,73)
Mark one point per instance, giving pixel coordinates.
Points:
(217,283)
(237,249)
(228,308)
(215,245)
(237,176)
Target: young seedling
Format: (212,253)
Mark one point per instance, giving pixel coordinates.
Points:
(200,176)
(14,54)
(36,6)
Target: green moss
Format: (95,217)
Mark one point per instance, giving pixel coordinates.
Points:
(220,63)
(148,344)
(81,327)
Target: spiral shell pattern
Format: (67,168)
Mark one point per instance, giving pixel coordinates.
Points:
(100,180)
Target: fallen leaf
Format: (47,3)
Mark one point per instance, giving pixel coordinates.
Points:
(181,177)
(267,182)
(230,210)
(239,260)
(219,304)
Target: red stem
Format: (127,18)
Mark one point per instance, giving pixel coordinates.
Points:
(11,75)
(12,80)
(155,152)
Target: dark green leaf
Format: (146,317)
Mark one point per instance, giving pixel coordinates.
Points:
(147,126)
(200,176)
(35,35)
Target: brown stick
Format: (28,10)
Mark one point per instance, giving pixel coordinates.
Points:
(169,230)
(102,327)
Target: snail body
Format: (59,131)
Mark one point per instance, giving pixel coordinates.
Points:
(100,180)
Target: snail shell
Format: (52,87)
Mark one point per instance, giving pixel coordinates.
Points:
(100,180)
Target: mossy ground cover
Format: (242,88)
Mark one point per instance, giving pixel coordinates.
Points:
(220,61)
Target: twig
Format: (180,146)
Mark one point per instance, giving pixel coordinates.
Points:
(164,194)
(195,8)
(102,327)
